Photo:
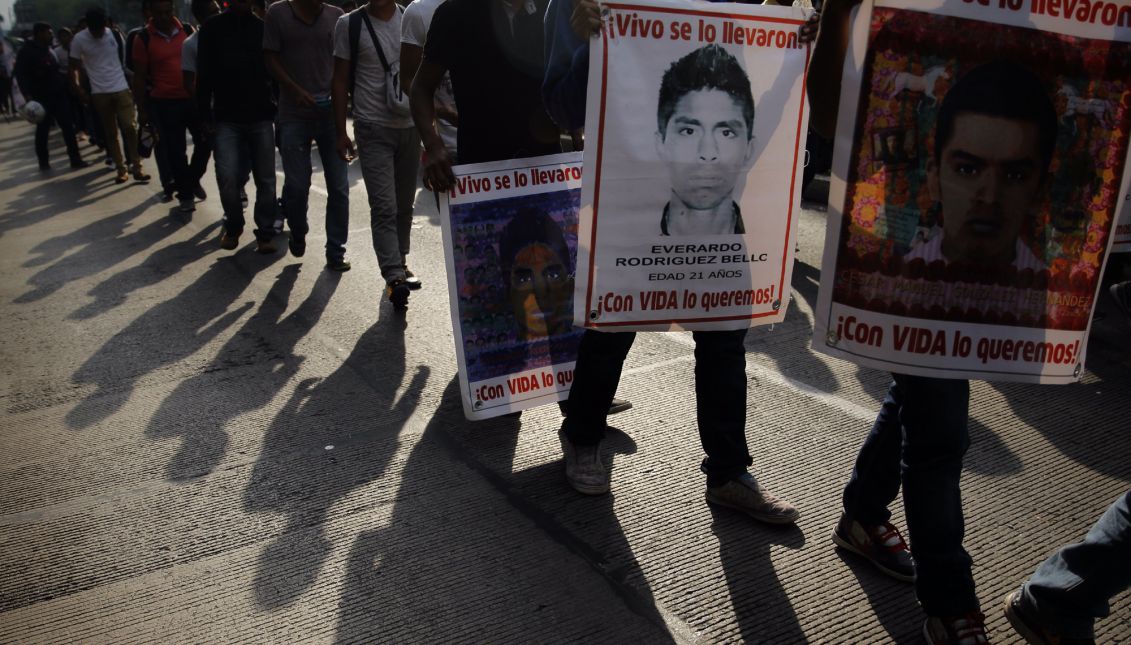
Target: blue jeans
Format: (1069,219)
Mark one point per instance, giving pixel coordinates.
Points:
(175,118)
(295,139)
(918,440)
(720,395)
(237,147)
(1072,588)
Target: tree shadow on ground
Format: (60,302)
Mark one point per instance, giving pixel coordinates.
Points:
(164,334)
(444,567)
(334,435)
(257,362)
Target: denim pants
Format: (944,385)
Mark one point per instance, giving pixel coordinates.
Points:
(1072,588)
(58,111)
(238,145)
(175,118)
(919,439)
(295,138)
(720,395)
(390,159)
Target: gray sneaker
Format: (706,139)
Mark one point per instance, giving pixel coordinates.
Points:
(584,470)
(881,543)
(744,494)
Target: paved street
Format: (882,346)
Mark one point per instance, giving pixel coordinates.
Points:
(206,446)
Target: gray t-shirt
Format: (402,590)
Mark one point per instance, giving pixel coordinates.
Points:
(369,76)
(306,52)
(188,52)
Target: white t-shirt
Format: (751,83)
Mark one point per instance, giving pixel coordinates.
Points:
(369,75)
(100,59)
(188,52)
(414,31)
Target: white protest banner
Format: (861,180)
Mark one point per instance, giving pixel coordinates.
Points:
(981,154)
(695,127)
(510,232)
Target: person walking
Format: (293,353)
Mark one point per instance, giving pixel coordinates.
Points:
(37,71)
(298,43)
(366,65)
(236,103)
(98,49)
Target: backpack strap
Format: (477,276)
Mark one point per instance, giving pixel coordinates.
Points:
(376,43)
(355,37)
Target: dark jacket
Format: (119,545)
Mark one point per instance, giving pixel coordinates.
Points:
(232,84)
(38,73)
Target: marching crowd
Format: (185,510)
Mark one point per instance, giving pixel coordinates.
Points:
(438,81)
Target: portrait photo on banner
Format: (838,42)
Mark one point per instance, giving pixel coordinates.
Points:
(514,261)
(986,172)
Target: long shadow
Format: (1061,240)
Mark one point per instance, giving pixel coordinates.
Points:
(892,601)
(444,569)
(103,243)
(49,198)
(787,344)
(246,374)
(166,261)
(163,335)
(333,435)
(761,606)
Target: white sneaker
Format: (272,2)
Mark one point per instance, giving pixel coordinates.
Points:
(584,470)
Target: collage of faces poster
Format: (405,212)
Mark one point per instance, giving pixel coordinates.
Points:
(694,134)
(510,229)
(979,168)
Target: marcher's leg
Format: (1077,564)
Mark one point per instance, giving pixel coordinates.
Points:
(1075,585)
(61,112)
(875,479)
(261,146)
(42,129)
(127,120)
(229,148)
(171,131)
(720,403)
(106,109)
(406,167)
(376,147)
(600,359)
(336,171)
(201,147)
(294,148)
(933,415)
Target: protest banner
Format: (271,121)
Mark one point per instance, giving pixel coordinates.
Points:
(1122,242)
(510,232)
(981,155)
(694,147)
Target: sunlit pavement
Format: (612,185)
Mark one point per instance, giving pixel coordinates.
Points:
(207,446)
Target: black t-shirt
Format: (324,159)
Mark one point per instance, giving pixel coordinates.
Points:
(496,71)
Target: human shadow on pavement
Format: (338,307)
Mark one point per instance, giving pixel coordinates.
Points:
(46,200)
(334,435)
(166,261)
(892,601)
(248,372)
(103,244)
(452,563)
(164,334)
(787,343)
(762,608)
(987,454)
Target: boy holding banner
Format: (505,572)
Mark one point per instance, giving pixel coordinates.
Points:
(720,355)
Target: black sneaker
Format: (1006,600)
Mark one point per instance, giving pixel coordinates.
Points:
(44,166)
(411,280)
(1026,623)
(78,162)
(616,407)
(199,193)
(397,292)
(881,544)
(297,244)
(338,264)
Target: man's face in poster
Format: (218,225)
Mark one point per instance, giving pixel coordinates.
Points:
(707,147)
(987,180)
(541,291)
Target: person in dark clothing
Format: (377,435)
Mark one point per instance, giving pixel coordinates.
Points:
(237,106)
(38,73)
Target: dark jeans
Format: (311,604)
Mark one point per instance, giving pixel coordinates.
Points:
(175,118)
(919,439)
(1075,585)
(720,395)
(295,138)
(237,147)
(58,111)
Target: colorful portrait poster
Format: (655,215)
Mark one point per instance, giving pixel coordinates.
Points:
(980,163)
(510,231)
(694,136)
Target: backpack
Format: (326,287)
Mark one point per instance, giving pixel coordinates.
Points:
(395,98)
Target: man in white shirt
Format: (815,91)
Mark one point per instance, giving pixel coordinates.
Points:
(414,34)
(367,55)
(99,50)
